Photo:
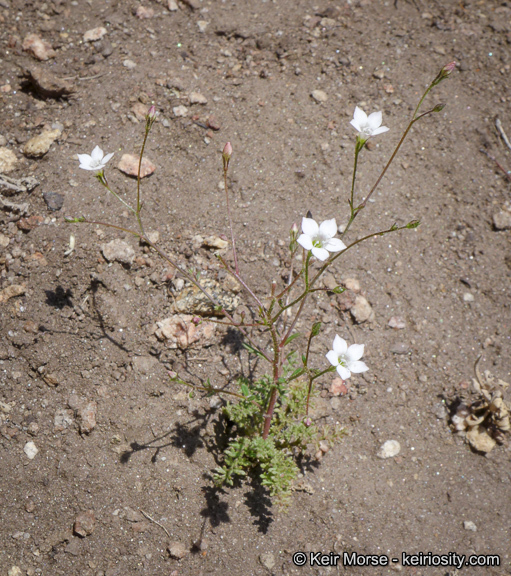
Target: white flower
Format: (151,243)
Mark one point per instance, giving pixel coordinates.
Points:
(367,125)
(320,239)
(346,360)
(96,161)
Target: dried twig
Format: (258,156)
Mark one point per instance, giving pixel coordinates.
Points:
(498,124)
(156,522)
(499,165)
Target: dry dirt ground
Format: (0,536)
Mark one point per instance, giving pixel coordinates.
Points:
(79,338)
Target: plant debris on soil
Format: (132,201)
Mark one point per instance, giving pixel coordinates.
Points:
(106,462)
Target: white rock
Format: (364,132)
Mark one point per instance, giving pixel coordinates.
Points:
(94,34)
(468,297)
(172,5)
(38,48)
(362,311)
(469,525)
(202,24)
(129,64)
(180,111)
(30,450)
(118,250)
(319,95)
(198,98)
(8,160)
(14,571)
(389,449)
(502,220)
(39,145)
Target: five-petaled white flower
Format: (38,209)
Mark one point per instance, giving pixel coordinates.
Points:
(346,360)
(320,239)
(96,161)
(367,125)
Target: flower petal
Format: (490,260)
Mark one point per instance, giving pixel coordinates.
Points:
(107,158)
(339,345)
(343,372)
(359,117)
(380,130)
(84,158)
(357,367)
(354,352)
(305,241)
(320,253)
(334,245)
(333,358)
(356,125)
(328,229)
(310,227)
(374,120)
(97,154)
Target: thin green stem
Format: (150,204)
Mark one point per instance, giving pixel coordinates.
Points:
(230,220)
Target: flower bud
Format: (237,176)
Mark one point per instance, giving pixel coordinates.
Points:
(152,112)
(307,422)
(448,68)
(226,155)
(438,107)
(294,228)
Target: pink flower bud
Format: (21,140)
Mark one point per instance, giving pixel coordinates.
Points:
(294,228)
(226,155)
(196,320)
(448,68)
(307,422)
(152,112)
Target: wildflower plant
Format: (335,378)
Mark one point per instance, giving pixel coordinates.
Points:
(268,421)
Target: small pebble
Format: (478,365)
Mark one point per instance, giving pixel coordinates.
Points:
(53,200)
(84,523)
(468,297)
(180,111)
(319,95)
(94,34)
(469,525)
(389,449)
(129,64)
(177,550)
(30,450)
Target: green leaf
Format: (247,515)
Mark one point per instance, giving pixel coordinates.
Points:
(338,290)
(245,390)
(252,350)
(316,327)
(296,373)
(291,338)
(413,224)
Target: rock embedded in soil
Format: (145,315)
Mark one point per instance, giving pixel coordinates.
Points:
(177,550)
(38,48)
(94,34)
(319,95)
(267,559)
(397,323)
(8,160)
(193,301)
(11,292)
(53,200)
(389,449)
(118,250)
(181,332)
(502,220)
(362,310)
(30,450)
(129,165)
(46,84)
(144,364)
(198,98)
(180,111)
(144,13)
(39,145)
(469,525)
(338,387)
(85,523)
(87,417)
